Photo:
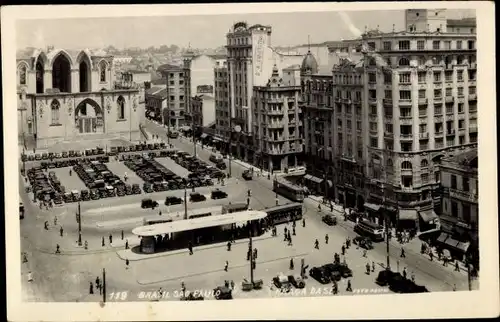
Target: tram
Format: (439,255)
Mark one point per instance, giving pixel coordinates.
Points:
(284,213)
(288,190)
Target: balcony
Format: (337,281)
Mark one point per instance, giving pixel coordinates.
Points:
(473,129)
(406,137)
(275,125)
(422,101)
(274,112)
(449,99)
(439,133)
(388,135)
(406,120)
(372,100)
(438,99)
(450,132)
(404,102)
(472,97)
(407,172)
(463,195)
(356,101)
(275,100)
(461,131)
(423,136)
(347,100)
(373,118)
(387,101)
(373,131)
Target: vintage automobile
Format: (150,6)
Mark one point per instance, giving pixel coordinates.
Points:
(221,165)
(319,274)
(149,203)
(332,271)
(223,293)
(363,242)
(218,194)
(399,284)
(330,220)
(282,282)
(172,200)
(247,175)
(85,195)
(94,194)
(214,158)
(196,197)
(120,191)
(68,197)
(136,189)
(297,281)
(343,269)
(57,199)
(173,135)
(147,187)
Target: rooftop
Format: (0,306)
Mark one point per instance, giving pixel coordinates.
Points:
(467,158)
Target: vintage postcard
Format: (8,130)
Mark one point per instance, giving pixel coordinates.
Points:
(299,161)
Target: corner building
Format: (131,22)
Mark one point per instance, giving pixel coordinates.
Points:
(66,96)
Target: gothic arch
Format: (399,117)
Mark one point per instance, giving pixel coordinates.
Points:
(42,59)
(61,72)
(120,102)
(102,67)
(89,121)
(84,71)
(403,61)
(62,52)
(40,66)
(424,163)
(22,73)
(406,165)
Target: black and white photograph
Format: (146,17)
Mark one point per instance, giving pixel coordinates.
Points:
(322,156)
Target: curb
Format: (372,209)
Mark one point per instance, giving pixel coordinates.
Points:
(184,250)
(218,270)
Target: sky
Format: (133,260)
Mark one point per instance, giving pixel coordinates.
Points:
(203,31)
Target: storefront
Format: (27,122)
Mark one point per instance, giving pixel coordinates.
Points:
(313,183)
(407,219)
(373,213)
(458,249)
(428,220)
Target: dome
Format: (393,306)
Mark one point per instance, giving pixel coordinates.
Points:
(309,64)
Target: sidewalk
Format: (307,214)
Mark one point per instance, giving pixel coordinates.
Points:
(413,246)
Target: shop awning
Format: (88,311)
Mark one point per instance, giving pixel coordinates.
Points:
(408,214)
(372,206)
(203,135)
(442,237)
(313,178)
(463,246)
(451,242)
(428,215)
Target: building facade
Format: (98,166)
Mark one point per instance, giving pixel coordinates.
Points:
(459,216)
(70,95)
(221,90)
(133,78)
(203,111)
(156,102)
(177,80)
(277,122)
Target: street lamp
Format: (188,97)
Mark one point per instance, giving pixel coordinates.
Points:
(192,132)
(104,285)
(79,216)
(251,252)
(185,199)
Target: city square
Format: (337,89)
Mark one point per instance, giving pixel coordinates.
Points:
(253,170)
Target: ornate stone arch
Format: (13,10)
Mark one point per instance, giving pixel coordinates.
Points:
(404,61)
(22,72)
(65,54)
(84,55)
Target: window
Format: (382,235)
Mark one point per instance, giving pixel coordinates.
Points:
(373,126)
(438,93)
(424,177)
(454,209)
(405,111)
(404,78)
(470,44)
(181,82)
(448,91)
(102,70)
(438,109)
(472,90)
(372,93)
(22,75)
(421,77)
(461,124)
(460,75)
(447,45)
(172,82)
(460,107)
(406,165)
(422,110)
(424,164)
(404,95)
(404,62)
(358,125)
(349,124)
(121,107)
(406,147)
(420,44)
(372,78)
(374,142)
(422,61)
(465,184)
(436,44)
(459,44)
(55,109)
(453,181)
(460,91)
(421,93)
(437,76)
(404,45)
(388,93)
(387,78)
(388,111)
(388,128)
(371,45)
(460,60)
(373,110)
(448,76)
(387,45)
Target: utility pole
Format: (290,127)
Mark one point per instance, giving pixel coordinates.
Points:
(251,252)
(185,200)
(229,147)
(79,225)
(104,285)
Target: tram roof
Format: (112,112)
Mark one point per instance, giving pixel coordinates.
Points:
(197,223)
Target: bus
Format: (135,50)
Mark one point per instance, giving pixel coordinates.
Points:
(288,190)
(284,213)
(370,229)
(234,207)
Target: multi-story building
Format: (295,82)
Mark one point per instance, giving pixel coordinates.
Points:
(221,90)
(133,79)
(177,80)
(250,59)
(156,102)
(65,96)
(203,111)
(277,124)
(459,214)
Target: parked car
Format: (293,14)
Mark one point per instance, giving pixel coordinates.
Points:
(363,242)
(147,187)
(297,281)
(136,189)
(221,165)
(330,220)
(149,203)
(85,195)
(319,274)
(223,293)
(94,194)
(214,158)
(218,194)
(282,282)
(172,200)
(247,175)
(196,197)
(332,272)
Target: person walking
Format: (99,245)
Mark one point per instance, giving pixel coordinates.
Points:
(91,288)
(70,172)
(127,262)
(364,252)
(122,234)
(413,277)
(290,241)
(190,248)
(402,253)
(404,273)
(349,286)
(228,246)
(255,253)
(457,268)
(431,255)
(343,249)
(316,244)
(61,231)
(126,244)
(46,225)
(58,251)
(291,264)
(55,221)
(97,282)
(326,239)
(86,245)
(226,265)
(367,268)
(303,222)
(232,285)
(293,231)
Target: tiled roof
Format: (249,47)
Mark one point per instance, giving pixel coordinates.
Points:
(153,90)
(168,67)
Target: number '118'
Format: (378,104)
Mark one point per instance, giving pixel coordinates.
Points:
(118,296)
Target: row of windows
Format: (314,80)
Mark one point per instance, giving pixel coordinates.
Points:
(238,41)
(55,109)
(423,61)
(424,144)
(424,45)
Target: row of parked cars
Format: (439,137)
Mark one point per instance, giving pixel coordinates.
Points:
(62,155)
(71,162)
(41,184)
(330,272)
(193,197)
(197,167)
(138,147)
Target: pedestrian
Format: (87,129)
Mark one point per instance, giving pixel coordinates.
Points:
(454,287)
(291,264)
(413,277)
(277,201)
(331,207)
(126,244)
(303,222)
(431,255)
(293,230)
(46,225)
(285,234)
(289,236)
(97,281)
(61,231)
(122,234)
(86,245)
(402,253)
(190,247)
(58,251)
(316,244)
(55,221)
(226,283)
(319,207)
(255,253)
(232,284)
(91,288)
(348,243)
(226,265)
(326,239)
(25,258)
(249,254)
(349,287)
(457,268)
(290,240)
(343,249)
(373,266)
(70,172)
(445,261)
(367,268)
(422,248)
(404,273)
(103,241)
(228,246)
(336,258)
(110,239)
(127,262)
(335,288)
(364,252)
(30,276)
